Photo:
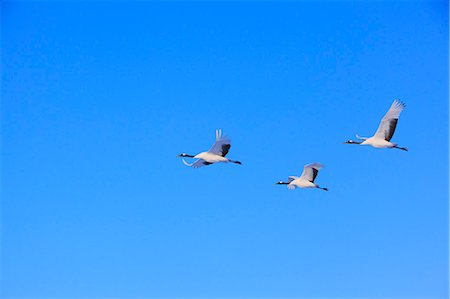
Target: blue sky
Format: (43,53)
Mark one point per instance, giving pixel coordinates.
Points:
(99,97)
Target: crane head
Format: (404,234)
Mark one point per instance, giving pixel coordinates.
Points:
(351,142)
(184,155)
(281,183)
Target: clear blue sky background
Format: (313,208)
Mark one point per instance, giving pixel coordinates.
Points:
(99,97)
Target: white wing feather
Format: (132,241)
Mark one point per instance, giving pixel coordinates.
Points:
(221,140)
(291,178)
(196,164)
(388,123)
(308,173)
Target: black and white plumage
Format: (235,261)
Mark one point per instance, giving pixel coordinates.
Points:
(215,154)
(386,129)
(307,178)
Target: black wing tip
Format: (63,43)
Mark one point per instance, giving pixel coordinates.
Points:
(225,149)
(315,173)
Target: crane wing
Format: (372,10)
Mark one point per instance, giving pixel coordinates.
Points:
(388,124)
(196,164)
(221,146)
(310,171)
(291,178)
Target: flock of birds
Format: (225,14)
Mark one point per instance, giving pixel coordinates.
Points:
(381,139)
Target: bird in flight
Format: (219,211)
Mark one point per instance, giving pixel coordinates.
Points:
(306,180)
(215,154)
(386,129)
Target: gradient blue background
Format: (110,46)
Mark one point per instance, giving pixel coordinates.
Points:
(99,97)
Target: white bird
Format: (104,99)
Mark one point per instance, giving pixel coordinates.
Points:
(386,129)
(306,180)
(215,154)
